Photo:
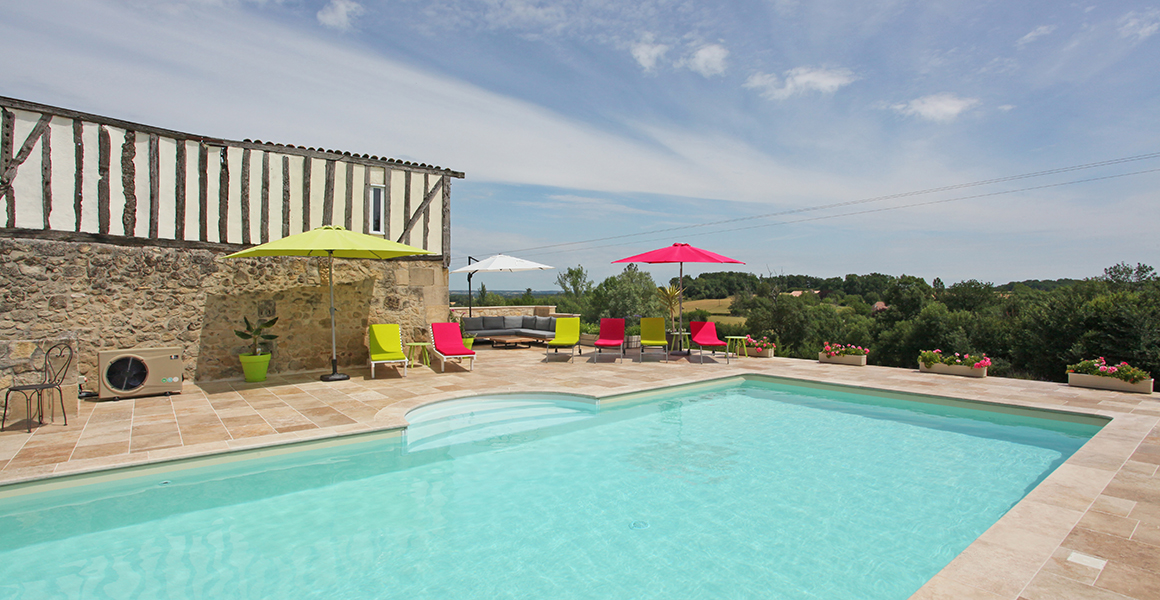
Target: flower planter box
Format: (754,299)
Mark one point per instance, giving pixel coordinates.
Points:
(1099,382)
(960,370)
(752,352)
(849,359)
(588,339)
(632,341)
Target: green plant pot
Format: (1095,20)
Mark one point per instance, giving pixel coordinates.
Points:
(255,366)
(467,342)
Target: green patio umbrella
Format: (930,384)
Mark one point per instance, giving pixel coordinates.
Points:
(332,241)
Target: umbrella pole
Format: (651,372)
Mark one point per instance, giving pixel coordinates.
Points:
(334,375)
(681,318)
(469,274)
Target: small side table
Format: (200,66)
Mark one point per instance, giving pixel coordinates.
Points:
(682,340)
(737,344)
(417,350)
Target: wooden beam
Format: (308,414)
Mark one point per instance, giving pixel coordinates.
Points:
(78,130)
(154,184)
(366,225)
(285,196)
(8,173)
(129,182)
(446,187)
(387,173)
(306,194)
(203,192)
(179,192)
(245,197)
(11,163)
(265,147)
(328,195)
(7,127)
(46,176)
(419,211)
(103,150)
(348,221)
(406,233)
(264,234)
(223,195)
(426,214)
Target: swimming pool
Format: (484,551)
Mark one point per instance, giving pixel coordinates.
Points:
(738,490)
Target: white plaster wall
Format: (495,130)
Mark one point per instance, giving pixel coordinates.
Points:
(191,215)
(62,217)
(89,217)
(275,196)
(295,194)
(116,191)
(167,175)
(397,181)
(26,184)
(141,181)
(317,190)
(234,202)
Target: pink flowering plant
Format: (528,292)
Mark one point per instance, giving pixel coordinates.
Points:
(761,344)
(975,361)
(832,350)
(1101,367)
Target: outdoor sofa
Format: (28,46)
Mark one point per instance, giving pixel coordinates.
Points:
(540,328)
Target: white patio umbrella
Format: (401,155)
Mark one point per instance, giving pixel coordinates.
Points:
(499,262)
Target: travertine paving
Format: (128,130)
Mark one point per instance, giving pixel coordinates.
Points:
(1090,530)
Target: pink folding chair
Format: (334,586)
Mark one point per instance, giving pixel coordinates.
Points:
(705,336)
(447,343)
(611,335)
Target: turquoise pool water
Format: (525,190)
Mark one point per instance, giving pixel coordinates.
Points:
(758,490)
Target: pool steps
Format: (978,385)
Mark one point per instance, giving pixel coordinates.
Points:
(457,422)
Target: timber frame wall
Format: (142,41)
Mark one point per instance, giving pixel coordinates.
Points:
(131,184)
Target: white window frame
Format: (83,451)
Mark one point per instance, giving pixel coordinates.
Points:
(380,213)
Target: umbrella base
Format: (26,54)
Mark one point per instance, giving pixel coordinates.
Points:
(335,377)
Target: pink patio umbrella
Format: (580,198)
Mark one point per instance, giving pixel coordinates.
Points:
(679,253)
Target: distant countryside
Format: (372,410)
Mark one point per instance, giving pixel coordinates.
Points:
(1030,329)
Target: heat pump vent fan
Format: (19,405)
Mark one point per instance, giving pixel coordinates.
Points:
(139,372)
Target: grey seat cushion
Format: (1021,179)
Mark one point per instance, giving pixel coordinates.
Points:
(513,322)
(546,324)
(472,323)
(529,322)
(494,323)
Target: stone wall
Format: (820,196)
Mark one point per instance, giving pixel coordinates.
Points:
(110,297)
(506,311)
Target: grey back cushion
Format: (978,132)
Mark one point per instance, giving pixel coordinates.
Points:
(544,324)
(472,323)
(513,322)
(529,322)
(493,322)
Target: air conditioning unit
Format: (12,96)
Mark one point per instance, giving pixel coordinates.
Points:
(139,372)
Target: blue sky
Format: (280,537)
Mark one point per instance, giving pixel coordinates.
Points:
(584,120)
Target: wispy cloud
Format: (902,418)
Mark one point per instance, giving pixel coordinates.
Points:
(941,108)
(708,60)
(1138,27)
(1035,34)
(799,81)
(647,52)
(337,14)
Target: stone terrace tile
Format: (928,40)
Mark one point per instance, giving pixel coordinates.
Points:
(1091,530)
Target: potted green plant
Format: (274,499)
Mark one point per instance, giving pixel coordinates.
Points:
(843,354)
(468,340)
(1098,374)
(255,364)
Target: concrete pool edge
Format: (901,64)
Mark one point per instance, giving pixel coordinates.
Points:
(1018,556)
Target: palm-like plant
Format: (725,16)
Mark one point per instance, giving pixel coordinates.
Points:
(670,298)
(255,332)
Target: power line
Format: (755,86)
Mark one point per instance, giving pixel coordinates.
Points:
(1056,171)
(875,210)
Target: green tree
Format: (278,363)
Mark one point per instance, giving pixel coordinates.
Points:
(631,294)
(576,286)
